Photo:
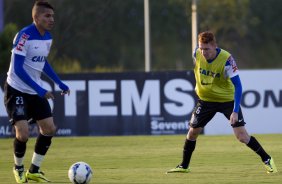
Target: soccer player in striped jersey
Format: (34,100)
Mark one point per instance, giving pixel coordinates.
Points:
(25,97)
(219,89)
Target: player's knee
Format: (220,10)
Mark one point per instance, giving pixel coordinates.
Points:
(22,137)
(243,139)
(192,136)
(193,133)
(50,131)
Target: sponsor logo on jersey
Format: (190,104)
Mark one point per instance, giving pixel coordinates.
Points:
(39,59)
(233,64)
(205,83)
(22,42)
(209,73)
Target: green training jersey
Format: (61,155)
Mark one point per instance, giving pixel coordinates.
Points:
(212,84)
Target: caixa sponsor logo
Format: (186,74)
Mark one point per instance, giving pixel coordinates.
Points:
(39,58)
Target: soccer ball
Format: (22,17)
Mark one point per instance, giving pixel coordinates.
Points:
(80,173)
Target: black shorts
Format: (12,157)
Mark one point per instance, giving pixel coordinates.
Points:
(23,106)
(205,111)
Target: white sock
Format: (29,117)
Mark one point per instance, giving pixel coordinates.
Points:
(18,161)
(37,159)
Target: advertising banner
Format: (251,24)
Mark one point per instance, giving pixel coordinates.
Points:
(139,103)
(153,103)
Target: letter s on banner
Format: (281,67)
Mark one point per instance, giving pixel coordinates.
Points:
(176,90)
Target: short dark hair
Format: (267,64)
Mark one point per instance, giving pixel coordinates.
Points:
(207,37)
(39,5)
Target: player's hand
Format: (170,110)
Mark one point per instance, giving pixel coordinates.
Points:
(49,95)
(233,118)
(65,89)
(65,92)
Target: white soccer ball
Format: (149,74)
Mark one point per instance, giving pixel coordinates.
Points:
(80,173)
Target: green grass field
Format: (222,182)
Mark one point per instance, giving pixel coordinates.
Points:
(145,159)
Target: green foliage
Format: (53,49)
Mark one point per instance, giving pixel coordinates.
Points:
(145,159)
(170,32)
(66,65)
(108,35)
(224,17)
(6,38)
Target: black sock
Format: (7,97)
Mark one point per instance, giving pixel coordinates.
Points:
(41,147)
(33,168)
(42,144)
(188,149)
(19,148)
(19,168)
(256,147)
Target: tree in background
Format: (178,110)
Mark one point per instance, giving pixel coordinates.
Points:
(6,38)
(108,35)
